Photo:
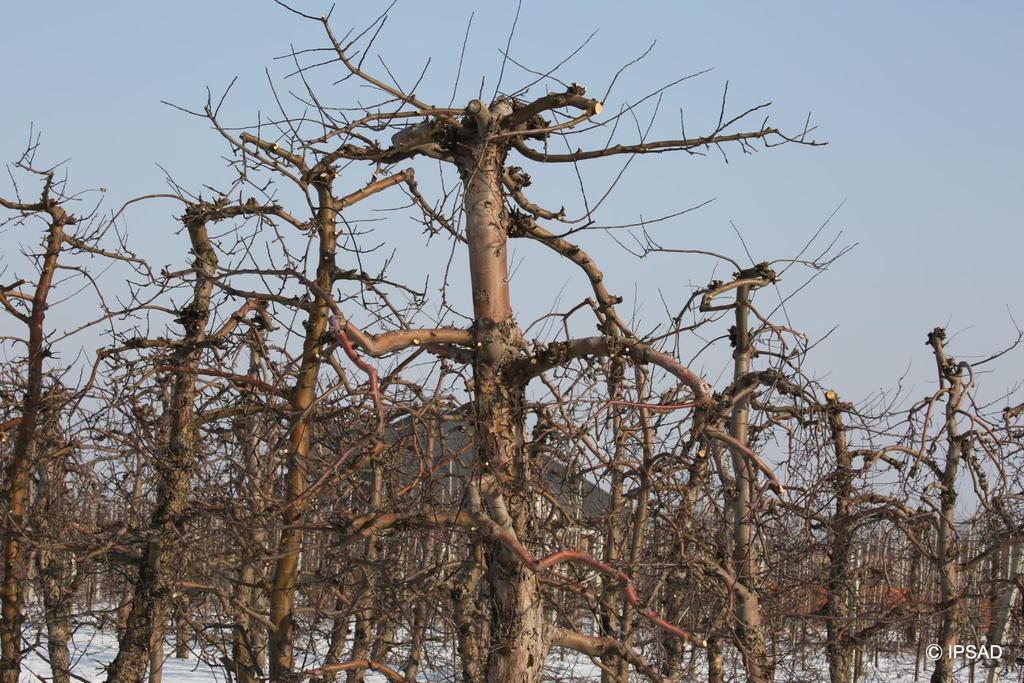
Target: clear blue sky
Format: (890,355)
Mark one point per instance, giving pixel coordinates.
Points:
(918,101)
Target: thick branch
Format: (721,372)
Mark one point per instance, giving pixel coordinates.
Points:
(643,148)
(559,353)
(573,97)
(596,646)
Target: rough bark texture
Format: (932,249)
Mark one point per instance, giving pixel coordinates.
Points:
(156,654)
(282,594)
(676,593)
(57,576)
(641,517)
(840,594)
(153,584)
(610,605)
(248,641)
(518,637)
(20,465)
(750,637)
(1004,606)
(950,378)
(249,638)
(910,633)
(472,619)
(58,626)
(365,613)
(339,636)
(419,623)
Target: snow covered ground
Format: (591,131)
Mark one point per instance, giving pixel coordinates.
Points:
(94,650)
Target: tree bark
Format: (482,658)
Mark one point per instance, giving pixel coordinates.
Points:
(518,632)
(282,594)
(610,604)
(1004,607)
(910,633)
(339,636)
(472,615)
(641,517)
(841,594)
(248,639)
(750,637)
(684,545)
(19,467)
(365,612)
(418,628)
(156,654)
(57,603)
(153,587)
(58,579)
(716,660)
(950,378)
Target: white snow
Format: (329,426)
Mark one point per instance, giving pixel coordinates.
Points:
(94,650)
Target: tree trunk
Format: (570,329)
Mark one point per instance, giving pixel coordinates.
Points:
(174,471)
(472,615)
(56,578)
(716,660)
(247,642)
(55,567)
(418,628)
(19,468)
(339,636)
(610,603)
(282,594)
(685,544)
(156,654)
(840,595)
(750,636)
(181,629)
(948,569)
(910,633)
(518,632)
(640,517)
(365,612)
(1004,607)
(57,583)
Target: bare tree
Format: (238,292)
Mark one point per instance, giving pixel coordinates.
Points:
(304,467)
